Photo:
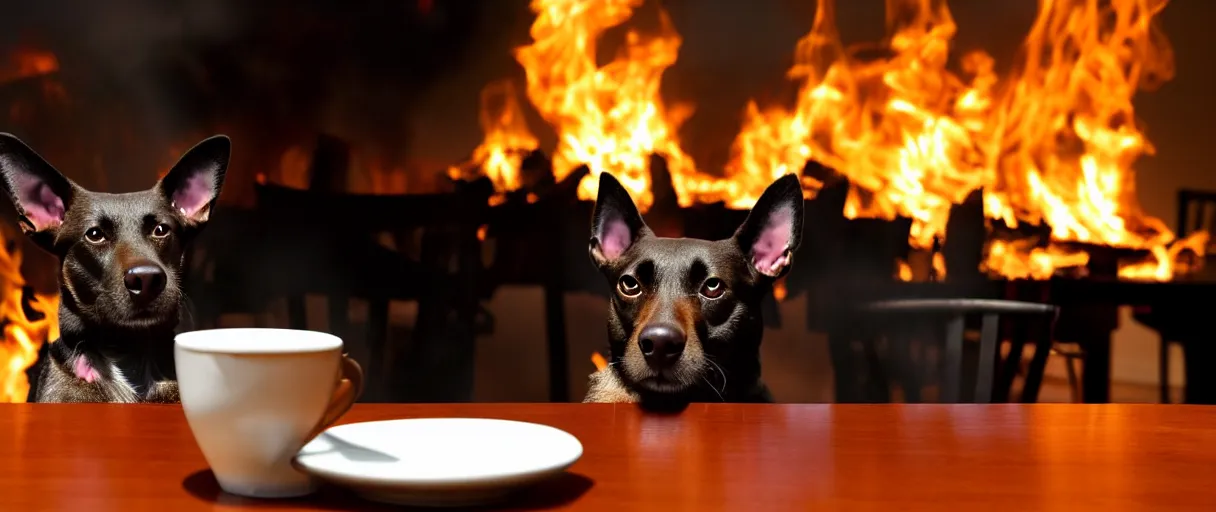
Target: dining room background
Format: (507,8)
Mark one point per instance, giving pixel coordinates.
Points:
(415,175)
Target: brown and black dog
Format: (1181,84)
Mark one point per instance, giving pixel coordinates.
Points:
(684,323)
(120,270)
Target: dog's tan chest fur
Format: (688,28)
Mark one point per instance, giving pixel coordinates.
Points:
(164,392)
(606,388)
(60,385)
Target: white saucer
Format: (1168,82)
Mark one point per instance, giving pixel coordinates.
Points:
(438,461)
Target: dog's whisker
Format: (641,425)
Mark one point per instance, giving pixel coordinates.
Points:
(720,372)
(711,386)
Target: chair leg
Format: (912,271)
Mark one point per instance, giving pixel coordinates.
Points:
(377,339)
(297,312)
(877,384)
(954,360)
(555,335)
(1038,364)
(1163,369)
(1012,363)
(905,367)
(988,359)
(846,373)
(1074,390)
(339,316)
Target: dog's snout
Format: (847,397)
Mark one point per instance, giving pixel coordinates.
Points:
(145,281)
(662,344)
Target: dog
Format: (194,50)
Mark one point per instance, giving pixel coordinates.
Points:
(684,322)
(121,258)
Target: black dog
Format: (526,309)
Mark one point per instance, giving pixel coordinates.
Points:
(684,323)
(120,270)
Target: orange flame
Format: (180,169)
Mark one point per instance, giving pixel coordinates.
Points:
(28,62)
(1057,146)
(22,336)
(1019,259)
(507,139)
(780,292)
(902,128)
(1054,141)
(1068,129)
(598,360)
(609,117)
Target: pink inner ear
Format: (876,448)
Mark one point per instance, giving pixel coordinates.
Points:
(194,194)
(615,239)
(84,371)
(770,248)
(42,207)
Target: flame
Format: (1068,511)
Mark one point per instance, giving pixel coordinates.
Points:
(22,336)
(28,62)
(1051,142)
(598,360)
(780,292)
(1056,145)
(1020,259)
(902,128)
(1165,261)
(939,266)
(903,270)
(507,139)
(609,117)
(1069,131)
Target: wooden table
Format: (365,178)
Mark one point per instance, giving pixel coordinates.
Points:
(710,457)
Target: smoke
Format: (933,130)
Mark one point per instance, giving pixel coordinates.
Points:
(147,77)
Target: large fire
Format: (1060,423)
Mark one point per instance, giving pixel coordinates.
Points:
(507,141)
(1054,141)
(915,129)
(609,117)
(28,319)
(23,336)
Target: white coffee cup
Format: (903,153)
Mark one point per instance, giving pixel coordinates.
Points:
(254,397)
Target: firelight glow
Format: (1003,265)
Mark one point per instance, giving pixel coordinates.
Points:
(1054,141)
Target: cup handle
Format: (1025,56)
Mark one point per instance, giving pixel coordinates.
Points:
(348,389)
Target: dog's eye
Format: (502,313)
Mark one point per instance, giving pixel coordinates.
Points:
(713,288)
(161,231)
(94,235)
(629,286)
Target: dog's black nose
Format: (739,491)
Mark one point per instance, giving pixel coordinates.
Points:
(145,282)
(662,344)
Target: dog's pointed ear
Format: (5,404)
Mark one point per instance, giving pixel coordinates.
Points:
(773,228)
(40,193)
(195,181)
(616,224)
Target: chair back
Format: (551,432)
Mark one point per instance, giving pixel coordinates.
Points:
(942,326)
